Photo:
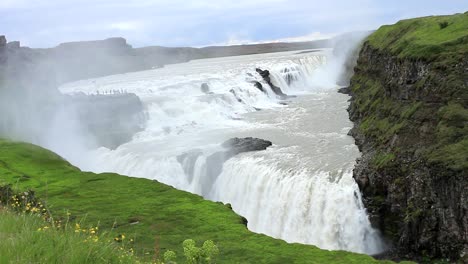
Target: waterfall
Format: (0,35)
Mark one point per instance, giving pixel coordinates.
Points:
(301,190)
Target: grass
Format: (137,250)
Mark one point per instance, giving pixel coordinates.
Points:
(154,214)
(382,159)
(442,41)
(27,238)
(424,37)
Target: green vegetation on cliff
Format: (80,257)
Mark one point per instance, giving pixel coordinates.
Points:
(424,37)
(152,214)
(410,108)
(436,93)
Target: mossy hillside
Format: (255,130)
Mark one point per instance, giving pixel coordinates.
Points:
(409,104)
(153,214)
(424,37)
(439,97)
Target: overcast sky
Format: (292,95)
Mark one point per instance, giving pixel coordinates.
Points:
(46,23)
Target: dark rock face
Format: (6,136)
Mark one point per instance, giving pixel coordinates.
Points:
(259,86)
(418,201)
(239,145)
(344,90)
(266,76)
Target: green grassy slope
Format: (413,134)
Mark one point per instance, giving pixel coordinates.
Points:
(424,37)
(24,240)
(150,212)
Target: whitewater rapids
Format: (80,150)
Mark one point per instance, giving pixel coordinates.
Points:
(300,190)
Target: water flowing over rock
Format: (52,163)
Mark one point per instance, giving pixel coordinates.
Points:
(234,147)
(265,74)
(259,86)
(289,190)
(215,161)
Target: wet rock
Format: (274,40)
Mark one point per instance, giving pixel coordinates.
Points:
(232,147)
(259,86)
(265,74)
(205,88)
(235,95)
(240,145)
(344,90)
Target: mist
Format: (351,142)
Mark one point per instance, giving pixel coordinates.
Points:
(341,60)
(33,110)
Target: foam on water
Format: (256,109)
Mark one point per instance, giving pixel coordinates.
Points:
(300,190)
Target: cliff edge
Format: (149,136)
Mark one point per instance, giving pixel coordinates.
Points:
(409,105)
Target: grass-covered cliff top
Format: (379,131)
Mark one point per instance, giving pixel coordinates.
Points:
(438,94)
(152,214)
(425,37)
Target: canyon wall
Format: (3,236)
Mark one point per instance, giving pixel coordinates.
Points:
(409,105)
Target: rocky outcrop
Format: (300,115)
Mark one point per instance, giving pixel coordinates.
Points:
(259,86)
(410,119)
(236,146)
(214,162)
(265,74)
(232,148)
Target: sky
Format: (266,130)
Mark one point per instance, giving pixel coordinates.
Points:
(46,23)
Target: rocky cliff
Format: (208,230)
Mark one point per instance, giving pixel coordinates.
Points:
(409,105)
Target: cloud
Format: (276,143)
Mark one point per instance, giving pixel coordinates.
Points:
(127,25)
(201,22)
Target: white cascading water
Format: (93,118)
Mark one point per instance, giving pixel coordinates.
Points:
(300,190)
